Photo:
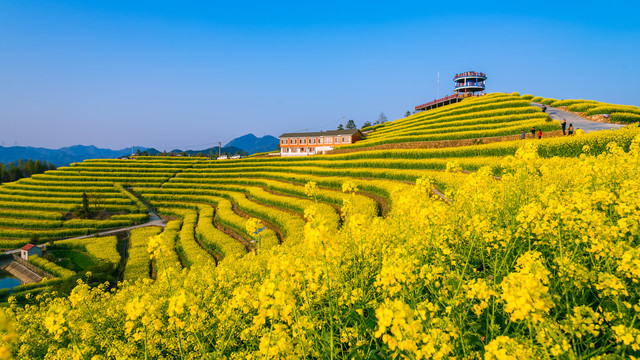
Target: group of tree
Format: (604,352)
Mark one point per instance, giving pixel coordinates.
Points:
(382,118)
(23,168)
(211,154)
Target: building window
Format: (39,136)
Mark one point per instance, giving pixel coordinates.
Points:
(312,141)
(337,140)
(284,141)
(303,141)
(312,150)
(320,141)
(329,140)
(294,141)
(345,139)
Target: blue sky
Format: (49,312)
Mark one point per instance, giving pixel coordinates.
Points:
(169,74)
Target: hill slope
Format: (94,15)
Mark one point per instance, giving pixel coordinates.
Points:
(356,255)
(491,115)
(63,156)
(252,144)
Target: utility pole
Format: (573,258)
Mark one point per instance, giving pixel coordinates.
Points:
(345,122)
(219,148)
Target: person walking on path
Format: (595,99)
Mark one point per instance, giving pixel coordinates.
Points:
(533,132)
(564,127)
(544,108)
(540,134)
(570,129)
(523,135)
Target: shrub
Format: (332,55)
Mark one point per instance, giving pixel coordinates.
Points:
(537,99)
(582,107)
(50,267)
(515,93)
(570,102)
(548,101)
(527,97)
(610,109)
(626,118)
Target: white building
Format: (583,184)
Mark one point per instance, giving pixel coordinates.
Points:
(312,143)
(29,250)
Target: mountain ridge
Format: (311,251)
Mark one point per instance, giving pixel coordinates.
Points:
(64,156)
(253,144)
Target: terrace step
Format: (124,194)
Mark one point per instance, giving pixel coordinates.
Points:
(22,273)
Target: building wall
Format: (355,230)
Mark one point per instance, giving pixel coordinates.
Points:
(303,146)
(33,251)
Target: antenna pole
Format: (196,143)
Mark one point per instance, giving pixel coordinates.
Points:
(219,148)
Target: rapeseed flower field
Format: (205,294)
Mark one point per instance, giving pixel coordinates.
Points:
(542,262)
(509,250)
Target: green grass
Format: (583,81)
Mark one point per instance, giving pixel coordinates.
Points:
(74,260)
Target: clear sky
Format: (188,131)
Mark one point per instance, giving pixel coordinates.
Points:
(187,74)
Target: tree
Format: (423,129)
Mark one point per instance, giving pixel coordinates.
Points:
(351,124)
(85,203)
(340,127)
(407,113)
(96,199)
(366,124)
(382,118)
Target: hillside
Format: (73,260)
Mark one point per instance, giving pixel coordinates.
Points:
(472,251)
(64,156)
(248,144)
(252,144)
(212,152)
(491,115)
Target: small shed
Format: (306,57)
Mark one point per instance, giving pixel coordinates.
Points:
(29,250)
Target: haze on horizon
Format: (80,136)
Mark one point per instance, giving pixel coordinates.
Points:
(171,75)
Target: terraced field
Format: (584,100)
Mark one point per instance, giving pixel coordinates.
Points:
(479,117)
(513,246)
(622,114)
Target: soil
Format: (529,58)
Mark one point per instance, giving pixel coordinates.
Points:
(441,144)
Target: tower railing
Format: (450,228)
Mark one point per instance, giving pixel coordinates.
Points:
(470,73)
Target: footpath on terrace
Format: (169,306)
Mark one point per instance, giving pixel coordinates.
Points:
(578,122)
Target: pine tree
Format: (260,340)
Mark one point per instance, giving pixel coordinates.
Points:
(85,203)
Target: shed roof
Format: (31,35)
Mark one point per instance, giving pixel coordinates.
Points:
(322,133)
(27,247)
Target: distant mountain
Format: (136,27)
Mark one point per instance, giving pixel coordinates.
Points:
(66,155)
(210,151)
(252,144)
(249,144)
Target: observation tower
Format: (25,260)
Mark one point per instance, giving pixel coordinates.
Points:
(470,83)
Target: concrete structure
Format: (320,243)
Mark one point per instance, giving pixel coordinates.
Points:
(451,99)
(470,83)
(312,143)
(29,250)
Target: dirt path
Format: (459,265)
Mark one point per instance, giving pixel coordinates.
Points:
(577,121)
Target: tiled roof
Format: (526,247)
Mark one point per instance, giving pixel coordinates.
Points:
(321,133)
(27,247)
